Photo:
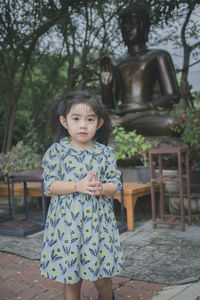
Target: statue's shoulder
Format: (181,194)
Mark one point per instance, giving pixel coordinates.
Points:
(158,53)
(147,55)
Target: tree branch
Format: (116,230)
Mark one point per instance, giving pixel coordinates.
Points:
(183,39)
(39,32)
(184,69)
(195,45)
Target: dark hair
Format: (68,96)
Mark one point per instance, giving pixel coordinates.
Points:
(62,106)
(142,12)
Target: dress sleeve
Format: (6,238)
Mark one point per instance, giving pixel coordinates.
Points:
(112,174)
(51,167)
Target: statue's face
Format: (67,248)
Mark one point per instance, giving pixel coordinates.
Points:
(132,32)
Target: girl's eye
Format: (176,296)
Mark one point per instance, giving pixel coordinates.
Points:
(75,119)
(90,119)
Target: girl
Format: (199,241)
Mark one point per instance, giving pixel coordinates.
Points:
(81,239)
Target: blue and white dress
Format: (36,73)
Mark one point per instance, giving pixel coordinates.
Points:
(81,238)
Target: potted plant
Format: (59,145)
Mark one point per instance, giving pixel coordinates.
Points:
(187,125)
(191,137)
(20,158)
(177,126)
(130,144)
(191,134)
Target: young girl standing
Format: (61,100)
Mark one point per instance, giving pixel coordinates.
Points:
(81,239)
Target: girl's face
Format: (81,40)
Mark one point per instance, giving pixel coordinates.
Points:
(82,124)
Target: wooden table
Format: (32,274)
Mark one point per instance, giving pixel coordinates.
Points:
(131,191)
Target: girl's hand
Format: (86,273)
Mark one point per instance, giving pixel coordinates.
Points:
(98,185)
(90,184)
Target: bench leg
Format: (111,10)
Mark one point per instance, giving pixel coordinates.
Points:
(131,202)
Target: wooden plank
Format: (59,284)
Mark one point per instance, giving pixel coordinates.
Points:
(34,189)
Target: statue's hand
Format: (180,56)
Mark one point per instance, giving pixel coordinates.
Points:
(106,70)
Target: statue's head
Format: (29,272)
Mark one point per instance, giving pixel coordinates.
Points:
(135,16)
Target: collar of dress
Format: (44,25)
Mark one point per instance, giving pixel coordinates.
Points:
(96,150)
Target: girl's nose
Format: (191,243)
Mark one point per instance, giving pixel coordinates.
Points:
(83,124)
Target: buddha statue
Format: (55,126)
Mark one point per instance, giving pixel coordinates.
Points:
(136,84)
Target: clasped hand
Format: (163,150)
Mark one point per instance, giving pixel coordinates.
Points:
(90,185)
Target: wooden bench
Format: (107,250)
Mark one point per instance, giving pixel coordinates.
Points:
(131,191)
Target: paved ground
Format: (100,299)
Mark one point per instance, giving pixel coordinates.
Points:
(165,255)
(20,279)
(154,260)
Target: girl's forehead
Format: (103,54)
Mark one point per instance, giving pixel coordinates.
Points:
(82,108)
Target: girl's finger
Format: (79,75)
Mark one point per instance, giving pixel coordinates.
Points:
(92,183)
(96,177)
(90,175)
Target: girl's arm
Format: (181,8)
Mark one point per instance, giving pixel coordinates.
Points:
(62,187)
(92,188)
(85,186)
(110,183)
(106,189)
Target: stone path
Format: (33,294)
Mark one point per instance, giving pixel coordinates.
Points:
(165,255)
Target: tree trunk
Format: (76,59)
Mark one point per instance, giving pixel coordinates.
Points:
(10,120)
(184,85)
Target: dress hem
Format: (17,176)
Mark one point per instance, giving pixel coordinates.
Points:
(86,279)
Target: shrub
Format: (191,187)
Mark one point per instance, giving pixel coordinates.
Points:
(20,158)
(128,144)
(191,134)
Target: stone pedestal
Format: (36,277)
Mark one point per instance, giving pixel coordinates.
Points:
(174,204)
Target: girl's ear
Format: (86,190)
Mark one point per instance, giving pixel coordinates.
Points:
(63,122)
(100,123)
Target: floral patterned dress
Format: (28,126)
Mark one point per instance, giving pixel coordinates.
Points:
(81,238)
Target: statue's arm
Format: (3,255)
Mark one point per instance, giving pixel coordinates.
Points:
(107,79)
(167,80)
